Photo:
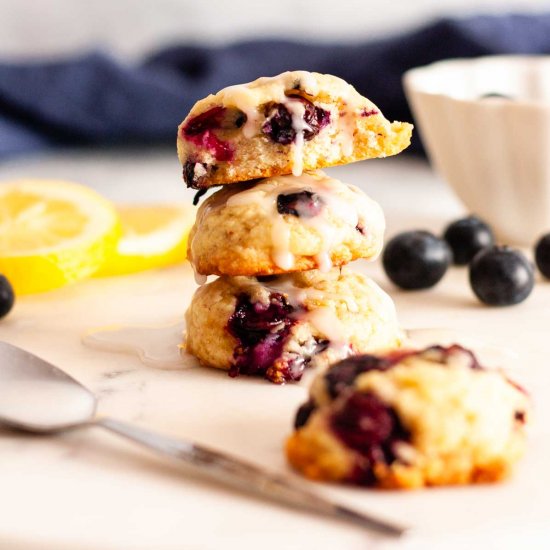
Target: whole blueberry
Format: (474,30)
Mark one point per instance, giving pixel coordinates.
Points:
(7,296)
(416,259)
(467,237)
(501,276)
(542,255)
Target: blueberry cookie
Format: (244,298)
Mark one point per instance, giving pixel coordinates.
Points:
(410,419)
(283,224)
(286,124)
(276,326)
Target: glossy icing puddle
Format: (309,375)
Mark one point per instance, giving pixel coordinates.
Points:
(155,346)
(159,346)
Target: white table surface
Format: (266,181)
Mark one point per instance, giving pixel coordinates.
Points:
(90,490)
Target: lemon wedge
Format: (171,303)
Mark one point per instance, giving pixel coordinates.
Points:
(152,236)
(53,233)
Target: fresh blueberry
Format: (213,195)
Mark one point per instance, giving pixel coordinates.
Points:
(501,276)
(416,259)
(542,255)
(278,125)
(467,237)
(7,296)
(304,204)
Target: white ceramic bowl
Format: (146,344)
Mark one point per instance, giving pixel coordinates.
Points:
(494,151)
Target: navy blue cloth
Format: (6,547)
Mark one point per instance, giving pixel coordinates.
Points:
(96,100)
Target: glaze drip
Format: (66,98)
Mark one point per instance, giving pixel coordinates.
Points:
(323,319)
(333,199)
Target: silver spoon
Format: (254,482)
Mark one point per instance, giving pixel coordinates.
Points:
(37,397)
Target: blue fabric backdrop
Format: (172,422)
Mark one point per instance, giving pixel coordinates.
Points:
(96,100)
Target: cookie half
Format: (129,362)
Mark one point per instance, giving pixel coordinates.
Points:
(285,124)
(409,419)
(277,326)
(283,224)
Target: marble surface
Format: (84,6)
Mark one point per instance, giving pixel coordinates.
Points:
(89,490)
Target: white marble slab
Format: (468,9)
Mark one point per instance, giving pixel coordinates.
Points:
(89,490)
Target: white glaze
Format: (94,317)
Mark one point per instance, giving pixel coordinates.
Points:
(322,318)
(245,100)
(200,279)
(297,110)
(280,238)
(347,121)
(158,347)
(324,262)
(346,131)
(345,202)
(248,97)
(328,324)
(252,94)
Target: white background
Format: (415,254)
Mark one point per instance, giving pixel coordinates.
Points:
(134,27)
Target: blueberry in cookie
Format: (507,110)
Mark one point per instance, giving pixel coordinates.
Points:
(408,419)
(283,224)
(289,123)
(276,326)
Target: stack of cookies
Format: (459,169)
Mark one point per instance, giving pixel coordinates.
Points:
(279,231)
(278,234)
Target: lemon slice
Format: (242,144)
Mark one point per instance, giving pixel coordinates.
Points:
(53,233)
(152,236)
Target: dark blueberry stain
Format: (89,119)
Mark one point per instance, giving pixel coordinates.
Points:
(200,131)
(278,125)
(261,331)
(304,204)
(367,425)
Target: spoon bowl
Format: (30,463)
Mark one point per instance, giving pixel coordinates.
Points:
(38,397)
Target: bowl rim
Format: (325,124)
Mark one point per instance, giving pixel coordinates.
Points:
(411,78)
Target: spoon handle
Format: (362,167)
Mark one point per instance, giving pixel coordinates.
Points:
(247,476)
